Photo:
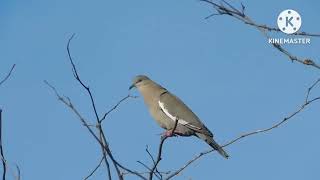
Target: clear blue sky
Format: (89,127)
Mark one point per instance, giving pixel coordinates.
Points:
(224,70)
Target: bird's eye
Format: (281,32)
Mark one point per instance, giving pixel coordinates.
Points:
(139,80)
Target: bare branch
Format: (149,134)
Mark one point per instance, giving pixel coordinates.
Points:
(150,155)
(225,8)
(213,14)
(69,104)
(101,139)
(154,162)
(232,11)
(163,138)
(274,126)
(268,28)
(146,166)
(105,155)
(104,158)
(147,172)
(96,168)
(8,75)
(173,174)
(18,173)
(4,164)
(101,133)
(306,103)
(3,159)
(115,106)
(104,143)
(6,167)
(310,89)
(105,152)
(77,77)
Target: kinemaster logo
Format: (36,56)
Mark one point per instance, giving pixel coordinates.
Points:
(289,22)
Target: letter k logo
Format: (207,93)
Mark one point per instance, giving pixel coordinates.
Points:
(288,21)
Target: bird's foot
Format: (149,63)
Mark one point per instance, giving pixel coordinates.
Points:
(168,133)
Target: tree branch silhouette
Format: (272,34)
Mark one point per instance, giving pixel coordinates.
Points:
(3,159)
(157,161)
(8,75)
(69,104)
(99,136)
(224,8)
(97,167)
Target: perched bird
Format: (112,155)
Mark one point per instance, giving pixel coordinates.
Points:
(167,108)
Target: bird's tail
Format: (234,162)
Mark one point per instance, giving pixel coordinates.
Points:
(209,140)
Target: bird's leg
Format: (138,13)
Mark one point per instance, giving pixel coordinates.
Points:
(172,132)
(168,133)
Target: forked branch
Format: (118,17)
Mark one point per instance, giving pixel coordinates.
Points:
(99,136)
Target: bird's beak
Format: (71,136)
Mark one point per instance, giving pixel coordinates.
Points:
(132,86)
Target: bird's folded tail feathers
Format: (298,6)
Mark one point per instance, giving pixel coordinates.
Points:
(209,140)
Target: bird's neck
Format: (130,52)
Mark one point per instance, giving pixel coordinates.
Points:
(152,93)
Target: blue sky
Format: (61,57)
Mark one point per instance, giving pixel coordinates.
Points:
(223,69)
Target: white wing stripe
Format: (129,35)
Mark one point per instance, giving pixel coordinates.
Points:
(173,118)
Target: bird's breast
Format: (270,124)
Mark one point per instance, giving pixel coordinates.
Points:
(161,118)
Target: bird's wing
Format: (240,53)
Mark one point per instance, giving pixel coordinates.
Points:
(175,109)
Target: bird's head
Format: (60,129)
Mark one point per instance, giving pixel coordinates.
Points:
(139,81)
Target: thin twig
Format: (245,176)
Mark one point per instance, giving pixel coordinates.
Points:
(104,154)
(146,166)
(310,89)
(115,106)
(69,104)
(102,140)
(95,169)
(4,164)
(163,138)
(274,126)
(103,144)
(108,151)
(2,157)
(278,30)
(77,77)
(225,8)
(8,75)
(221,9)
(101,133)
(18,173)
(154,162)
(147,172)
